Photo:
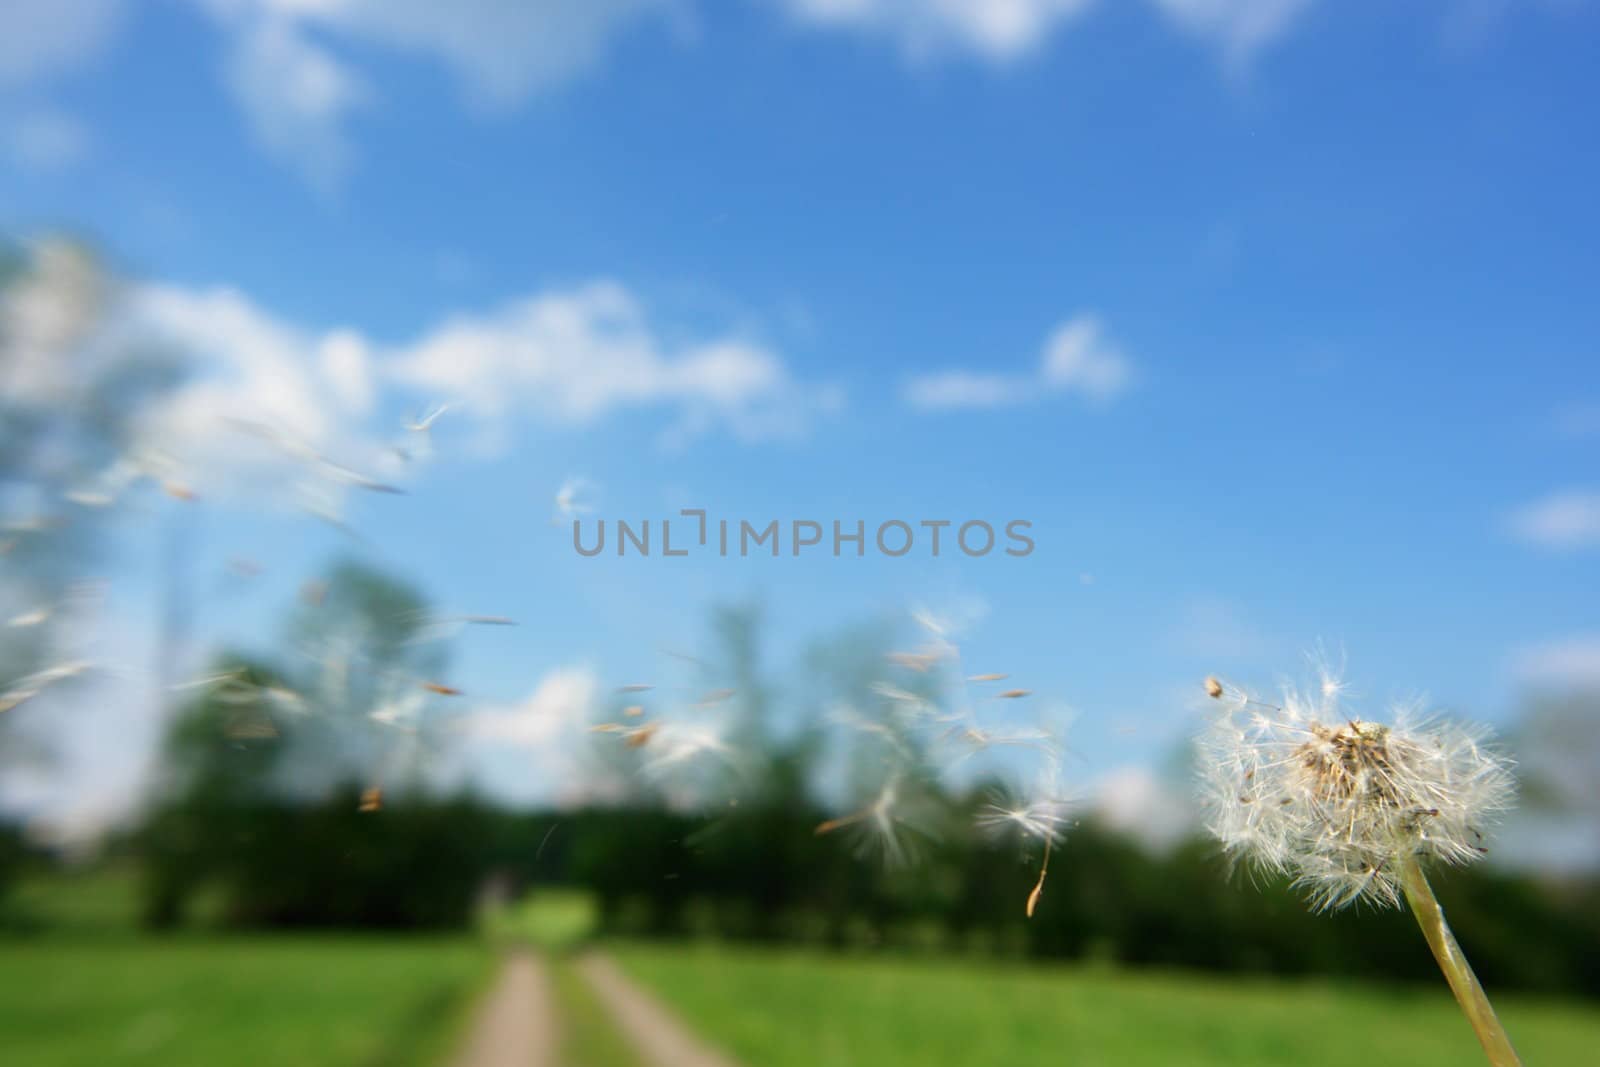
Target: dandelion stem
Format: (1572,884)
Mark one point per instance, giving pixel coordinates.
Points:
(1457,971)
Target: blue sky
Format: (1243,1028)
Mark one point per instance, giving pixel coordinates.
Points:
(1274,317)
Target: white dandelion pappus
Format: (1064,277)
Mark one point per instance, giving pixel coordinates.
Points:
(26,688)
(1341,803)
(887,825)
(674,743)
(1351,808)
(1041,816)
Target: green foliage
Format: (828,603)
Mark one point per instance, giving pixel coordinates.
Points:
(12,853)
(762,874)
(416,863)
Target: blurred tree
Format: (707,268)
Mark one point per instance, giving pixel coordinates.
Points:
(298,794)
(1557,744)
(73,389)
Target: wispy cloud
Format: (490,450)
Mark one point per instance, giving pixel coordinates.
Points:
(1566,520)
(1003,31)
(1216,629)
(45,140)
(1078,358)
(1578,421)
(502,51)
(1240,28)
(996,30)
(957,389)
(297,98)
(1566,661)
(293,70)
(40,39)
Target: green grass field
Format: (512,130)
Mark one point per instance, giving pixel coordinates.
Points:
(83,987)
(799,1010)
(292,1001)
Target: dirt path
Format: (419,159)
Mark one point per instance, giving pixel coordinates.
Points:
(515,1025)
(654,1032)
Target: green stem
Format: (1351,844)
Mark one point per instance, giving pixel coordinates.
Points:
(1457,971)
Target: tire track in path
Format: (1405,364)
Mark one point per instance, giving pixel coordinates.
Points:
(657,1035)
(515,1024)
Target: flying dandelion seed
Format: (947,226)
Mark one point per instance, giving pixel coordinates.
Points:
(884,826)
(424,422)
(441,689)
(28,619)
(371,799)
(1350,808)
(921,662)
(1015,694)
(570,498)
(679,743)
(30,686)
(988,677)
(1040,817)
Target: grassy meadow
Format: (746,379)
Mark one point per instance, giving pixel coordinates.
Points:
(791,1009)
(83,986)
(292,1001)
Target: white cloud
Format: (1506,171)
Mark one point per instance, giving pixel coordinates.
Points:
(248,367)
(579,354)
(951,390)
(1077,358)
(346,363)
(46,140)
(1241,28)
(996,30)
(102,732)
(1568,661)
(1002,31)
(1565,520)
(558,706)
(296,96)
(501,50)
(531,752)
(1136,802)
(297,92)
(42,38)
(569,357)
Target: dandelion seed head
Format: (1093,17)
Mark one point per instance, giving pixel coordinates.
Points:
(1336,801)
